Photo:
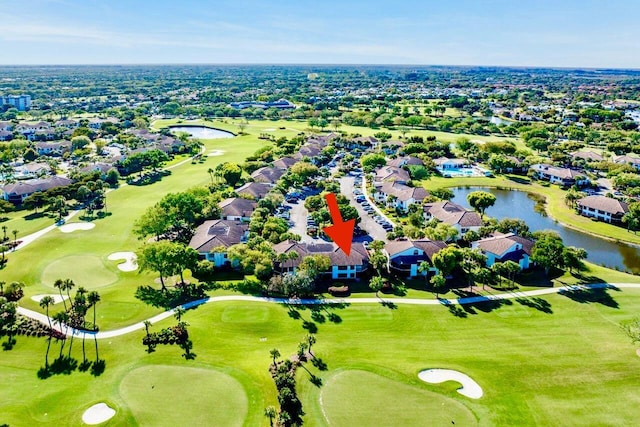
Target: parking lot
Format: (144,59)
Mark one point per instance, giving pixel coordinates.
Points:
(367,223)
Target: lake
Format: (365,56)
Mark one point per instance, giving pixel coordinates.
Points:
(202,132)
(518,204)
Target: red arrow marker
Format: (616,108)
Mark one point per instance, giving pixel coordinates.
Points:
(341,232)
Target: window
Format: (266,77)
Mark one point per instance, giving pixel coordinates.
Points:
(415,252)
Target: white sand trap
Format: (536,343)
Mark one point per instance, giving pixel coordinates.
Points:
(97,414)
(269,130)
(216,153)
(469,388)
(130,260)
(56,298)
(75,226)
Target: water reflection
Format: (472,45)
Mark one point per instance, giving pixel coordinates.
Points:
(518,204)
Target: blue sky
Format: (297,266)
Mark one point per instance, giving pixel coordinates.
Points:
(561,33)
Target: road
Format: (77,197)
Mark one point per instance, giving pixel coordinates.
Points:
(367,223)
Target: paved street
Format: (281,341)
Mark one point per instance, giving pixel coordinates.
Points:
(367,223)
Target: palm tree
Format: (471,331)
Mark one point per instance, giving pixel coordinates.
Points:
(147,324)
(178,312)
(424,268)
(4,233)
(62,318)
(45,303)
(93,298)
(2,283)
(311,340)
(15,239)
(270,412)
(275,353)
(68,285)
(59,284)
(376,283)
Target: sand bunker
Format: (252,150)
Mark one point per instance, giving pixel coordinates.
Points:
(216,153)
(269,129)
(130,260)
(469,388)
(56,298)
(98,414)
(75,226)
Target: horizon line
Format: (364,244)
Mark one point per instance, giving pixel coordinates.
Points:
(320,64)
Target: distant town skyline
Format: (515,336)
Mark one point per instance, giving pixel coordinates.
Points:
(544,33)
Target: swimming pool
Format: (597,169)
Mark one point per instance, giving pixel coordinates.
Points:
(448,173)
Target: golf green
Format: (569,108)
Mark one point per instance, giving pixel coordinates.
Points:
(85,270)
(160,395)
(361,398)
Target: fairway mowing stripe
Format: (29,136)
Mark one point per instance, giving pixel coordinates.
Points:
(64,329)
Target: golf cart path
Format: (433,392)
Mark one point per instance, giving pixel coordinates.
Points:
(410,301)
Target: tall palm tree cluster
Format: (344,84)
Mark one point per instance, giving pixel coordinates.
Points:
(75,313)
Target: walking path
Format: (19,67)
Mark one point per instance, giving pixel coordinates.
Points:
(409,301)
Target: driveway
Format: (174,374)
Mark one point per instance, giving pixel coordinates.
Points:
(367,223)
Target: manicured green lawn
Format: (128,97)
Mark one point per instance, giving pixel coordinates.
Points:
(85,269)
(195,396)
(555,205)
(535,367)
(347,399)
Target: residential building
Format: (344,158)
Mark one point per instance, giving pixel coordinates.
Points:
(237,209)
(20,102)
(602,208)
(8,126)
(257,190)
(342,266)
(267,175)
(58,148)
(405,256)
(213,237)
(561,176)
(505,247)
(444,163)
(453,214)
(392,174)
(284,163)
(17,192)
(587,156)
(407,160)
(399,196)
(627,160)
(6,135)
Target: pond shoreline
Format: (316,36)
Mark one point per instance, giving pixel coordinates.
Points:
(548,213)
(199,126)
